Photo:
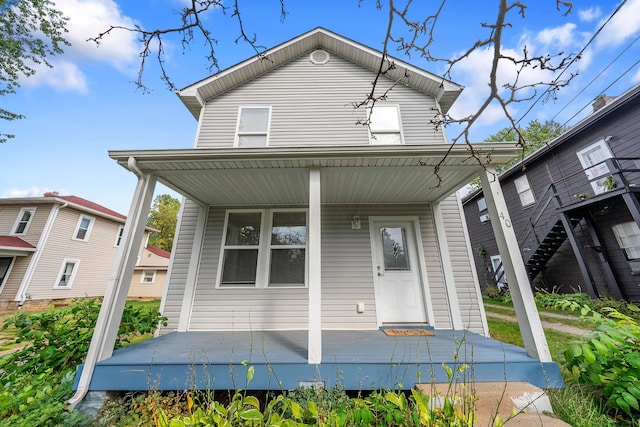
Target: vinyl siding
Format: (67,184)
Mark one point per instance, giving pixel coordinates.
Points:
(462,267)
(96,258)
(147,290)
(12,283)
(9,214)
(347,277)
(313,105)
(181,253)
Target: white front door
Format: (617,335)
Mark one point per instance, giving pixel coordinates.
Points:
(398,288)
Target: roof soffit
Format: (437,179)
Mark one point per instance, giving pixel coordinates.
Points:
(194,96)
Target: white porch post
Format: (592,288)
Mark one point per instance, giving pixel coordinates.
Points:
(106,330)
(315,290)
(531,330)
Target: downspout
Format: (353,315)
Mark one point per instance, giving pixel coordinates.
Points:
(21,296)
(102,324)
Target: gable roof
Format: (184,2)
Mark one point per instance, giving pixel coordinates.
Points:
(12,242)
(195,95)
(79,201)
(158,251)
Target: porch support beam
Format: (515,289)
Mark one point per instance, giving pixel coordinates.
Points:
(527,314)
(194,265)
(108,323)
(315,263)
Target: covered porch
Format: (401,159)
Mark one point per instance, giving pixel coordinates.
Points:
(313,177)
(354,360)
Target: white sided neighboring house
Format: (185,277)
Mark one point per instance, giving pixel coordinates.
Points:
(55,248)
(150,273)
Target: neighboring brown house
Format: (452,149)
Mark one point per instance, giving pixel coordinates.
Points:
(574,206)
(54,248)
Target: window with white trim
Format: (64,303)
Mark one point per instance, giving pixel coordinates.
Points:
(264,248)
(83,228)
(67,273)
(628,237)
(482,208)
(23,220)
(524,191)
(384,126)
(119,235)
(148,276)
(253,127)
(592,160)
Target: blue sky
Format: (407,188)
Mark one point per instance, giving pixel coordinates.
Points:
(87,104)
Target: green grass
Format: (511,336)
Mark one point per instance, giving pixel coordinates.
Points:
(576,321)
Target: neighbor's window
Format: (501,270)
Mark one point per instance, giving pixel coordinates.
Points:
(385,125)
(119,235)
(83,229)
(498,271)
(524,191)
(482,208)
(23,220)
(628,237)
(67,273)
(253,126)
(148,276)
(264,248)
(592,160)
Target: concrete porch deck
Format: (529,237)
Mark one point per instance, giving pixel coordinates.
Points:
(352,359)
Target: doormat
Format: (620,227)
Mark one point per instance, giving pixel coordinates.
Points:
(408,332)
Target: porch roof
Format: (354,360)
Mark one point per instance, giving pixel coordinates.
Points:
(350,174)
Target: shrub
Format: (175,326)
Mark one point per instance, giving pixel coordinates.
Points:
(36,380)
(557,301)
(609,358)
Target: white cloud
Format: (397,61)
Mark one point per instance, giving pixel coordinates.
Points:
(32,191)
(589,15)
(559,37)
(636,77)
(64,76)
(624,25)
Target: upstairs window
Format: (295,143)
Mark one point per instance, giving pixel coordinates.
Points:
(628,237)
(23,220)
(83,229)
(592,159)
(524,191)
(253,126)
(148,276)
(119,235)
(264,248)
(385,125)
(67,273)
(482,208)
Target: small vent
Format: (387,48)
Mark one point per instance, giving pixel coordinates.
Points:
(484,218)
(319,57)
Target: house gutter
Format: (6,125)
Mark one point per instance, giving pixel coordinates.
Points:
(22,294)
(108,311)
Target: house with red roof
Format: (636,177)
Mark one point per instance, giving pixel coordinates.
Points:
(55,248)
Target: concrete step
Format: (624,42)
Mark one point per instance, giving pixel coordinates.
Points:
(531,404)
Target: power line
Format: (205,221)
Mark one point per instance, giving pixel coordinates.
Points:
(596,77)
(573,60)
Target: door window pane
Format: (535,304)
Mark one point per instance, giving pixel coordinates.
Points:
(394,248)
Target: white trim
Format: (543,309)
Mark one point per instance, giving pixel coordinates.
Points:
(19,217)
(526,189)
(119,235)
(314,244)
(596,174)
(92,220)
(76,265)
(472,265)
(236,140)
(447,267)
(144,275)
(189,293)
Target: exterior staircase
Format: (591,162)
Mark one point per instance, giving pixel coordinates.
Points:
(554,236)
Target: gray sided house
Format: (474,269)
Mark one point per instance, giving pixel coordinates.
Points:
(305,236)
(574,207)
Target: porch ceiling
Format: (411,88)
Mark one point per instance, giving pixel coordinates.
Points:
(273,175)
